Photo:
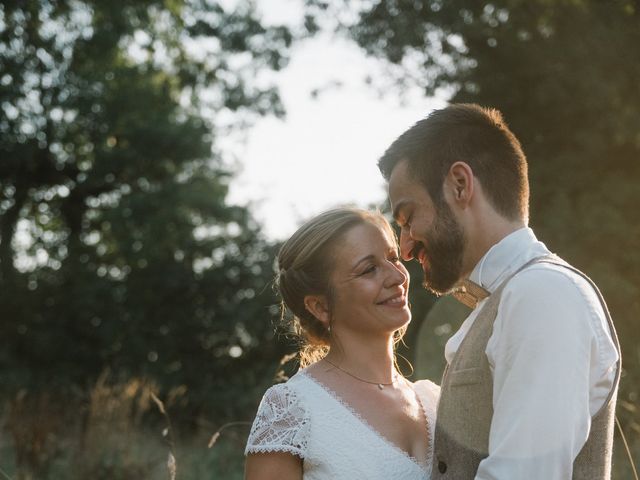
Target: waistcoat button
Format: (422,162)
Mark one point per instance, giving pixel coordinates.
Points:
(442,467)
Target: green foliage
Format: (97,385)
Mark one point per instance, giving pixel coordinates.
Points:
(443,319)
(118,249)
(565,75)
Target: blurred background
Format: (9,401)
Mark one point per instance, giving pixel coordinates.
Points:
(154,154)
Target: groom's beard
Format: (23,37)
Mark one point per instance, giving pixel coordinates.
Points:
(444,251)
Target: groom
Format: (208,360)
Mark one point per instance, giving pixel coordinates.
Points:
(530,387)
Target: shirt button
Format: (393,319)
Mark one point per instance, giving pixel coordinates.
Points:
(442,467)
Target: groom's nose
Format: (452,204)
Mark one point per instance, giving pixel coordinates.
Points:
(406,244)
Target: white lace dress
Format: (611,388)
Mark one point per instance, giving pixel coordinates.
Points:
(306,419)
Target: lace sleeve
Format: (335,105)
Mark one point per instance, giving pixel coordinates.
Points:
(281,424)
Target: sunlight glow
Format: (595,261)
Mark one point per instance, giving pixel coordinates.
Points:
(324,152)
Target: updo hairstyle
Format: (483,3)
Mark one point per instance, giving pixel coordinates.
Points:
(305,265)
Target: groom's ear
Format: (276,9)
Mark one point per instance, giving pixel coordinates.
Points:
(459,184)
(318,306)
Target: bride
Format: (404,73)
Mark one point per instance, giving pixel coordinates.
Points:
(348,413)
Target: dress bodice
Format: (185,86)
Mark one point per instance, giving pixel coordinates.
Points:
(305,418)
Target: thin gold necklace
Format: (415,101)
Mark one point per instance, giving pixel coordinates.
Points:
(379,384)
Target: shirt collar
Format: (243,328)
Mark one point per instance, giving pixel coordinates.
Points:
(506,256)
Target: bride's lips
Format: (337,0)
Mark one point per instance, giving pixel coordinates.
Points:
(397,300)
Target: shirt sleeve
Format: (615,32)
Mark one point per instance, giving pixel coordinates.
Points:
(281,424)
(542,358)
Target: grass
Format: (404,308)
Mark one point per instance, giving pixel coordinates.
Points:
(120,433)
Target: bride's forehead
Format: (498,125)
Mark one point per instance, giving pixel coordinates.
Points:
(366,237)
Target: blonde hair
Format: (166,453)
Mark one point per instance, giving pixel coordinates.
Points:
(305,264)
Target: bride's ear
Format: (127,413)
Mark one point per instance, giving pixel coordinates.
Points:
(318,306)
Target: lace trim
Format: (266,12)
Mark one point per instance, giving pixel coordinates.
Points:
(281,425)
(334,395)
(429,410)
(272,449)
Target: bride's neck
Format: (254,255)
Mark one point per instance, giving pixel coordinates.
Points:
(373,358)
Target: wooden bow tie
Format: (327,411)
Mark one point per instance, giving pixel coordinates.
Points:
(469,293)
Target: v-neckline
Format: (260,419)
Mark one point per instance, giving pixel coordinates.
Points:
(360,418)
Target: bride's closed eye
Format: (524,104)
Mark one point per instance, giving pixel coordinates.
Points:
(369,269)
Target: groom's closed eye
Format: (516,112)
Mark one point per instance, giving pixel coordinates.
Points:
(400,213)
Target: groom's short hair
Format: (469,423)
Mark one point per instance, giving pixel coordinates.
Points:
(475,135)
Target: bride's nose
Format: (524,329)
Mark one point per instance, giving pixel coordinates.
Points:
(397,275)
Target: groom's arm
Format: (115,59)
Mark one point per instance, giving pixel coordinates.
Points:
(546,352)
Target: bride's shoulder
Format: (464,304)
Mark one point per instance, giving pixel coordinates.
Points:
(282,422)
(291,384)
(284,400)
(293,387)
(427,388)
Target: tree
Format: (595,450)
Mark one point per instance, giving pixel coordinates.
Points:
(118,248)
(565,75)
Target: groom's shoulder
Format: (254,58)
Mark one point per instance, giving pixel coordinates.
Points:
(552,278)
(556,287)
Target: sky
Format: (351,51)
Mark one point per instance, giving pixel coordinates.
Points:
(324,152)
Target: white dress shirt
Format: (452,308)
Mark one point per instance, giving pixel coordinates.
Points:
(552,358)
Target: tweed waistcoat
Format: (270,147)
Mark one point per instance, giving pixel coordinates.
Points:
(465,409)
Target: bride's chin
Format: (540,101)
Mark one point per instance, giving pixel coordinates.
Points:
(406,320)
